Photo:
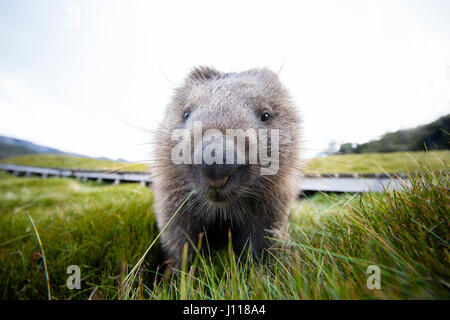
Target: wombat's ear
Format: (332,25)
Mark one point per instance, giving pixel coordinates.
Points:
(203,73)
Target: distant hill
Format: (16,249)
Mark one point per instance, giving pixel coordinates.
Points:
(432,136)
(12,147)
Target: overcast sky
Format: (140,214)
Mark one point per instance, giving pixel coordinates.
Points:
(85,76)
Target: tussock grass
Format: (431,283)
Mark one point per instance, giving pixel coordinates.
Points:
(101,228)
(334,238)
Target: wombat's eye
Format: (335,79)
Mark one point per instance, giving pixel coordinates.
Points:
(265,116)
(186,115)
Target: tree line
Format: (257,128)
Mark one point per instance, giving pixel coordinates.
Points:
(432,136)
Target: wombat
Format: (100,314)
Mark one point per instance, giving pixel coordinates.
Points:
(226,196)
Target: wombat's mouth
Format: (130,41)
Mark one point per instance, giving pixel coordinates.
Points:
(216,195)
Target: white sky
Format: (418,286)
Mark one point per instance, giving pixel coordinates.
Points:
(356,69)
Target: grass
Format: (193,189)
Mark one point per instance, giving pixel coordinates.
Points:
(360,163)
(44,261)
(106,229)
(378,162)
(64,161)
(101,228)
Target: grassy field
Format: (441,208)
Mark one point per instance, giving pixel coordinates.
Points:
(378,162)
(64,161)
(105,229)
(361,163)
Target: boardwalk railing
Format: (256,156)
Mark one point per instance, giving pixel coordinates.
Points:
(310,182)
(80,174)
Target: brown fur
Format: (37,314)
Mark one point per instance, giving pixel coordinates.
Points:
(258,206)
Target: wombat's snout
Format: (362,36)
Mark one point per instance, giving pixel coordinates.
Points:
(214,170)
(216,175)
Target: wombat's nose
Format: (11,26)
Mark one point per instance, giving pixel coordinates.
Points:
(217,175)
(210,161)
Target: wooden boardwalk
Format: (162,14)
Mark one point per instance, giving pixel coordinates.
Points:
(310,182)
(352,184)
